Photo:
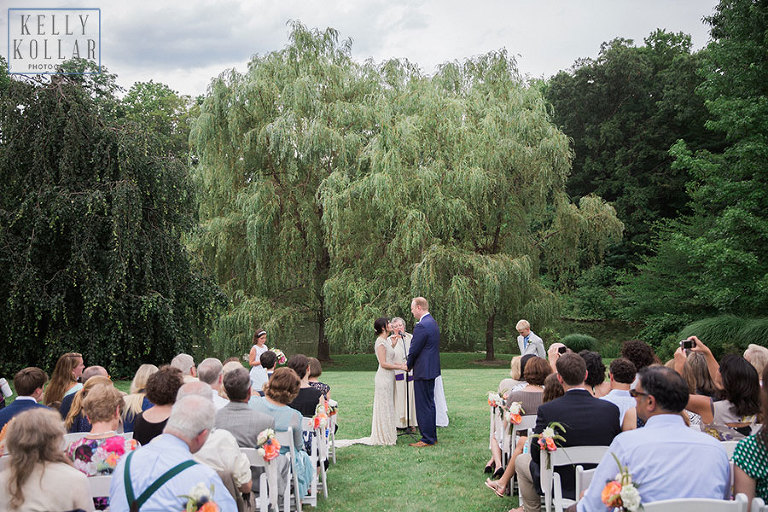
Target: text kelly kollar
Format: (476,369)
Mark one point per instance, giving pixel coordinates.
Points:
(38,46)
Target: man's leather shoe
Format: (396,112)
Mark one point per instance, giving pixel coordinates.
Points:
(420,444)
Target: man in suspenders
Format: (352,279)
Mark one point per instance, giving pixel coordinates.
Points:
(154,477)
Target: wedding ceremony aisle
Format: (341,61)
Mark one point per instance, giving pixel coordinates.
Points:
(445,477)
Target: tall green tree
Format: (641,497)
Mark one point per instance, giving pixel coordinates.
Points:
(266,141)
(718,251)
(461,198)
(91,218)
(623,111)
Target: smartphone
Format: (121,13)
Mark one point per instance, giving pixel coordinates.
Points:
(562,349)
(687,344)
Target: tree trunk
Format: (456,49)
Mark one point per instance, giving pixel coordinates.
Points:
(489,354)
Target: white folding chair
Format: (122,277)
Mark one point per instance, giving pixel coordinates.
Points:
(527,423)
(332,437)
(730,447)
(99,485)
(267,491)
(71,438)
(739,504)
(550,480)
(758,505)
(285,438)
(319,450)
(583,479)
(315,461)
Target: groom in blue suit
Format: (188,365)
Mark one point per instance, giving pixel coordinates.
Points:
(424,360)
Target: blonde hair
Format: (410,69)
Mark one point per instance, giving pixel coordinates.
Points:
(62,378)
(422,303)
(134,401)
(523,324)
(77,402)
(514,368)
(34,437)
(101,403)
(757,357)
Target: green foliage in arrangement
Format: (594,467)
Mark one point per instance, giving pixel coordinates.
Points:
(623,111)
(578,342)
(91,218)
(333,192)
(712,261)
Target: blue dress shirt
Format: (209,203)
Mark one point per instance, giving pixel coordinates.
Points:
(667,460)
(149,462)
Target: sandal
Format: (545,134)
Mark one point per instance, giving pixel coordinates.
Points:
(491,484)
(498,473)
(490,467)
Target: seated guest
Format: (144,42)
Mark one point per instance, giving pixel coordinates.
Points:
(220,451)
(281,390)
(552,389)
(516,377)
(99,451)
(186,431)
(669,459)
(537,370)
(589,421)
(734,417)
(76,420)
(596,383)
(244,423)
(621,376)
(38,477)
(554,352)
(162,387)
(64,379)
(639,353)
(29,384)
(751,458)
(268,361)
(308,398)
(91,371)
(210,372)
(315,370)
(137,400)
(757,357)
(186,364)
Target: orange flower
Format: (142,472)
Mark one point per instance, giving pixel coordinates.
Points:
(551,446)
(271,450)
(611,494)
(516,418)
(209,506)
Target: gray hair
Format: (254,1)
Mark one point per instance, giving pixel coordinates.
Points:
(236,383)
(194,388)
(183,362)
(396,320)
(209,370)
(191,415)
(93,371)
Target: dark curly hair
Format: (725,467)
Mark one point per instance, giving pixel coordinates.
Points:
(595,368)
(164,384)
(741,385)
(623,370)
(639,352)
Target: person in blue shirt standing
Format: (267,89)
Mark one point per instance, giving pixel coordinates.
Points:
(424,360)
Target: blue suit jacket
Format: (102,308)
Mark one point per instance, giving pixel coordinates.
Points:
(9,411)
(424,355)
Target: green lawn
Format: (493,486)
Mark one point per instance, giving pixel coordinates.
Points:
(447,477)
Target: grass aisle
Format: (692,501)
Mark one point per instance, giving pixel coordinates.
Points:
(446,477)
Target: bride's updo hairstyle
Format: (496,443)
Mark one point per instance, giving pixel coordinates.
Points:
(283,386)
(380,325)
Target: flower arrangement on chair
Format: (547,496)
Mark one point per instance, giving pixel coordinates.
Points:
(513,414)
(621,493)
(200,499)
(267,444)
(496,401)
(320,419)
(548,438)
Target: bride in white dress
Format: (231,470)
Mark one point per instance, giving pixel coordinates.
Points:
(383,424)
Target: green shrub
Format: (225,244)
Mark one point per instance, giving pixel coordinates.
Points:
(579,342)
(726,334)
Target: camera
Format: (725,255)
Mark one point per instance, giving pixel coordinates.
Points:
(687,344)
(562,349)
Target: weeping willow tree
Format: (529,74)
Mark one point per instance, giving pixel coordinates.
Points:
(266,140)
(459,197)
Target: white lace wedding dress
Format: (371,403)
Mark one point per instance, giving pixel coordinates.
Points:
(383,428)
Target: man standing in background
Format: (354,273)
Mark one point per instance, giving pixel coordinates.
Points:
(528,342)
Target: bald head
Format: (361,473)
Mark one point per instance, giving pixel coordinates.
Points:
(94,371)
(195,388)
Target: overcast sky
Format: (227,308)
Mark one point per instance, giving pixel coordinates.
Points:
(184,43)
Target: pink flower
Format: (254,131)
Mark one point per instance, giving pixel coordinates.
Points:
(115,444)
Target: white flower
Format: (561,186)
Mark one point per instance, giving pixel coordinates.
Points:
(548,432)
(630,498)
(261,451)
(515,407)
(199,491)
(264,436)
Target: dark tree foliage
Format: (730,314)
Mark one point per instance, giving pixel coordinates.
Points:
(623,111)
(90,235)
(714,258)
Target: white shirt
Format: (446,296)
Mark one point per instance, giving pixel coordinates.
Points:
(621,399)
(218,400)
(221,453)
